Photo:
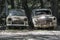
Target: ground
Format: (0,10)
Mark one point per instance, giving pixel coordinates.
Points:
(25,34)
(30,34)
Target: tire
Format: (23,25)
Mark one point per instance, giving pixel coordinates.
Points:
(9,27)
(52,28)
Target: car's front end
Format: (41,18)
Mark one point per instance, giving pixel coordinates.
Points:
(43,18)
(45,22)
(16,18)
(17,21)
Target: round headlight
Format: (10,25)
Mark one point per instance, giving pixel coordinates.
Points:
(54,18)
(9,19)
(25,19)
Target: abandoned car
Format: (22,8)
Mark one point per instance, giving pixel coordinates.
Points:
(16,18)
(43,18)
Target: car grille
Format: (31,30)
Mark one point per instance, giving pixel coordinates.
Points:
(18,22)
(43,22)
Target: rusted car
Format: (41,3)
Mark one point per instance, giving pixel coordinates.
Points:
(16,18)
(43,18)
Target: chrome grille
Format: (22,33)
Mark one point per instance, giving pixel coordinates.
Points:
(44,22)
(18,22)
(41,22)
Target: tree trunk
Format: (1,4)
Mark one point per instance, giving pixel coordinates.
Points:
(1,5)
(28,14)
(54,7)
(12,4)
(2,2)
(42,5)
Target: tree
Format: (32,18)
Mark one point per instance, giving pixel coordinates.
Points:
(12,4)
(1,9)
(28,13)
(28,5)
(42,5)
(1,5)
(54,8)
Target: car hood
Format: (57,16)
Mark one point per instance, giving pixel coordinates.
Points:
(17,17)
(43,17)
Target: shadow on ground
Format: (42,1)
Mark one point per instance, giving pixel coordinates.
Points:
(18,28)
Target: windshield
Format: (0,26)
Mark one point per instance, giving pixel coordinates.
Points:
(40,12)
(16,13)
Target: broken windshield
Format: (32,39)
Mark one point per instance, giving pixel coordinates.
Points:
(42,12)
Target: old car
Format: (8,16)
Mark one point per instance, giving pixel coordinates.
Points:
(16,18)
(43,18)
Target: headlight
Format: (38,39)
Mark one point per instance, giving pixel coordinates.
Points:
(54,18)
(9,19)
(25,19)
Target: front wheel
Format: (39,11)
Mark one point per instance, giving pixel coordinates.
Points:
(10,27)
(52,28)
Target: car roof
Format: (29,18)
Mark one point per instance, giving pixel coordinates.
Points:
(40,9)
(21,10)
(16,10)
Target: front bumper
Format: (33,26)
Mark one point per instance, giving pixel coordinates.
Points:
(16,25)
(45,26)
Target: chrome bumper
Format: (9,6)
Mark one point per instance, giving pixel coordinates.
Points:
(46,25)
(16,25)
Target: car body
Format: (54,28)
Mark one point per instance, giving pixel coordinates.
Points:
(43,18)
(16,17)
